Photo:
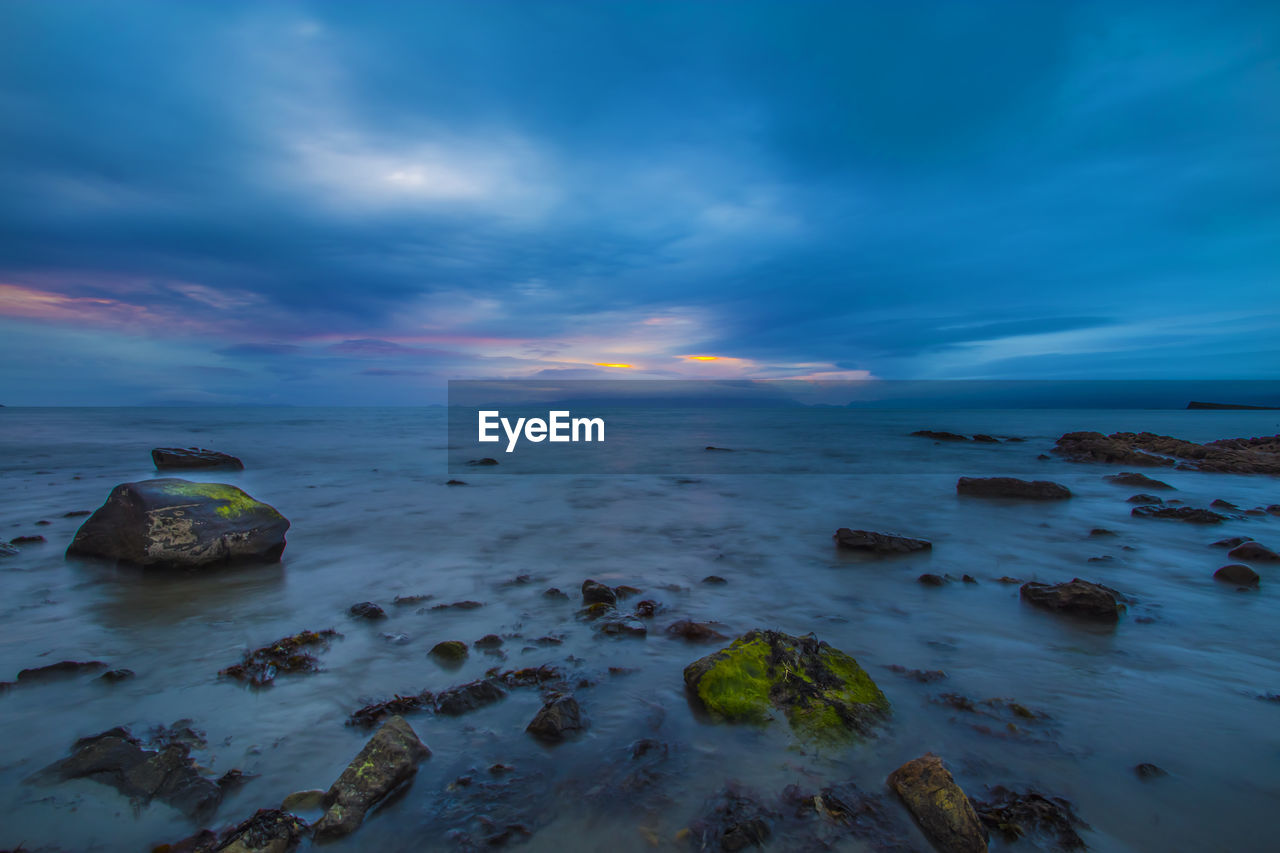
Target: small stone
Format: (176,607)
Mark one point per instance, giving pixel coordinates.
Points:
(113,675)
(1237,573)
(714,580)
(304,801)
(1145,500)
(367,610)
(449,651)
(558,718)
(488,641)
(1254,552)
(1232,542)
(932,580)
(969,579)
(1149,771)
(598,593)
(555,592)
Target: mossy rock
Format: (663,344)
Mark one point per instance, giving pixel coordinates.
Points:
(823,692)
(173,523)
(449,651)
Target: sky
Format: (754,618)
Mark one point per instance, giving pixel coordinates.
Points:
(347,204)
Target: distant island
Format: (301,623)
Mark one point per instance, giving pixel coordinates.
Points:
(1196,404)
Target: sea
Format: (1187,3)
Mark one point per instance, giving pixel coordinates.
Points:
(1182,681)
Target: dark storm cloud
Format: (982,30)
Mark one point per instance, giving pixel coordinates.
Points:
(927,189)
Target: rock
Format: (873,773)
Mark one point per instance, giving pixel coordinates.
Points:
(1149,771)
(718,449)
(1232,542)
(59,669)
(455,482)
(488,460)
(968,579)
(449,651)
(1011,487)
(939,435)
(598,593)
(177,458)
(1007,579)
(1219,503)
(171,523)
(924,676)
(940,807)
(618,625)
(1237,573)
(458,605)
(625,591)
(1077,597)
(714,580)
(555,592)
(304,801)
(367,610)
(932,580)
(878,543)
(647,608)
(77,513)
(1273,509)
(7,550)
(26,540)
(468,697)
(1133,478)
(734,819)
(1148,500)
(371,715)
(695,632)
(388,760)
(268,831)
(823,692)
(488,641)
(1232,455)
(111,676)
(1101,531)
(986,439)
(558,718)
(118,759)
(1191,515)
(1018,815)
(405,600)
(260,666)
(1254,552)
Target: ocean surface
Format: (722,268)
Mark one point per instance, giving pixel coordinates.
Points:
(1178,682)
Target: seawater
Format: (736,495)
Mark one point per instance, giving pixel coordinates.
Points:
(1176,683)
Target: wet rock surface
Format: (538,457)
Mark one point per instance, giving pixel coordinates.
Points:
(172,523)
(61,669)
(694,632)
(1076,597)
(166,773)
(1013,488)
(1232,455)
(1237,573)
(879,543)
(388,760)
(822,692)
(1014,815)
(597,593)
(186,458)
(367,610)
(1142,481)
(1191,515)
(1254,552)
(267,831)
(940,808)
(560,717)
(287,655)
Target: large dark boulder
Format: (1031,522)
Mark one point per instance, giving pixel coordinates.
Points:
(938,804)
(1012,487)
(1237,573)
(823,692)
(1254,552)
(189,458)
(879,543)
(388,760)
(1077,597)
(172,523)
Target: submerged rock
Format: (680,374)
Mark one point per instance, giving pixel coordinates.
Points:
(179,458)
(1147,770)
(940,435)
(939,806)
(367,610)
(388,760)
(268,831)
(449,651)
(1191,515)
(118,759)
(823,692)
(597,593)
(879,543)
(59,669)
(734,819)
(261,666)
(1146,500)
(558,718)
(1237,573)
(1012,487)
(1231,542)
(27,540)
(1142,481)
(468,697)
(172,523)
(931,580)
(1017,815)
(1078,597)
(694,632)
(1254,552)
(370,715)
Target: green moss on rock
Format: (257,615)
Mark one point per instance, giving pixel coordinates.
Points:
(823,692)
(233,502)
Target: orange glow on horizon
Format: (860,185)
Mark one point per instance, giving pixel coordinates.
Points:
(702,357)
(606,364)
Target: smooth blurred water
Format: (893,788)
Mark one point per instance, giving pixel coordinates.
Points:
(1175,683)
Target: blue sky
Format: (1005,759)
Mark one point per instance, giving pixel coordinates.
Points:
(316,203)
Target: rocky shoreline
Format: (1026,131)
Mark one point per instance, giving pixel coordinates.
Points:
(760,678)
